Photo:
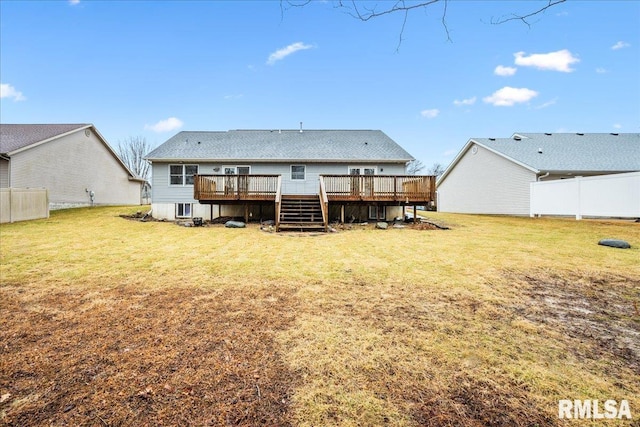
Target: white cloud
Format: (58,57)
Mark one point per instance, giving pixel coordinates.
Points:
(504,71)
(8,91)
(167,125)
(237,96)
(617,125)
(430,114)
(468,101)
(74,2)
(509,96)
(449,153)
(620,45)
(286,51)
(554,61)
(601,70)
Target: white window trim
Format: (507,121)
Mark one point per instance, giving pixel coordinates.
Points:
(379,209)
(375,169)
(184,175)
(184,204)
(298,179)
(235,168)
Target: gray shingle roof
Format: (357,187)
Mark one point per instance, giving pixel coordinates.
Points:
(570,152)
(14,137)
(282,145)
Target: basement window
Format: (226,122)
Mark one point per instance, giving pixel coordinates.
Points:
(183,210)
(376,212)
(298,172)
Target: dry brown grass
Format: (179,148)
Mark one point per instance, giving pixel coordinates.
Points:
(107,321)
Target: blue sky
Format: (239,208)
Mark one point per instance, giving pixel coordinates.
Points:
(145,68)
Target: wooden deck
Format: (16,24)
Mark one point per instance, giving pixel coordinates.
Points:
(235,188)
(379,189)
(409,189)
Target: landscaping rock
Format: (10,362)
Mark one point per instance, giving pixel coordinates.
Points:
(235,224)
(614,243)
(382,225)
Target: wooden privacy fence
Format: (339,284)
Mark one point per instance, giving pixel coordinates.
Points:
(22,204)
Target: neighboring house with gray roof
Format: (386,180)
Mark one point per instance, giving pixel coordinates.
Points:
(72,161)
(246,168)
(493,175)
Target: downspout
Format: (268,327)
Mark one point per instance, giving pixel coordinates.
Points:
(539,177)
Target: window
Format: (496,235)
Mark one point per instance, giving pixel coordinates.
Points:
(376,212)
(358,170)
(183,210)
(182,174)
(298,172)
(237,170)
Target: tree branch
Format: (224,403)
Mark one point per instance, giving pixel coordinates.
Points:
(524,18)
(357,10)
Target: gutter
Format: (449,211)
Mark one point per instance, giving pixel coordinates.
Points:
(539,177)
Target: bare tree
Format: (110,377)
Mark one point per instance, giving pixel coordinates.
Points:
(414,167)
(436,169)
(132,152)
(365,11)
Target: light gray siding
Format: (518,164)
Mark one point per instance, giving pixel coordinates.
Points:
(4,173)
(72,164)
(165,193)
(483,182)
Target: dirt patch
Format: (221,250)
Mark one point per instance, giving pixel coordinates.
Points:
(600,310)
(125,357)
(477,402)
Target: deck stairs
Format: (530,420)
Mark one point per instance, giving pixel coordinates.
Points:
(301,213)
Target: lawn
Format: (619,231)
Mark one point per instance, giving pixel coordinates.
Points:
(107,321)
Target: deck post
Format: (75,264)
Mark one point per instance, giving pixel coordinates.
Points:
(415,214)
(342,214)
(246,213)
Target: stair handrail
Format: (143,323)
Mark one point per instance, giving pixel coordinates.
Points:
(278,201)
(324,204)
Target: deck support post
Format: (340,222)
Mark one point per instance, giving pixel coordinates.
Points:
(415,214)
(342,214)
(246,213)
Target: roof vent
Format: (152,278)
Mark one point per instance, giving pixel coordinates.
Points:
(492,139)
(539,150)
(548,134)
(614,134)
(579,133)
(300,127)
(517,137)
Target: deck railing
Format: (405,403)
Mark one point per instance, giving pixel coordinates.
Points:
(278,202)
(382,188)
(324,204)
(235,187)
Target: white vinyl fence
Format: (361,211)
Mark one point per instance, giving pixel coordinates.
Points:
(21,204)
(616,196)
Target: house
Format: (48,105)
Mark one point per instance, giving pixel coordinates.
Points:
(292,176)
(493,175)
(72,161)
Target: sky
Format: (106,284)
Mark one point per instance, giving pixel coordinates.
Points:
(153,68)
